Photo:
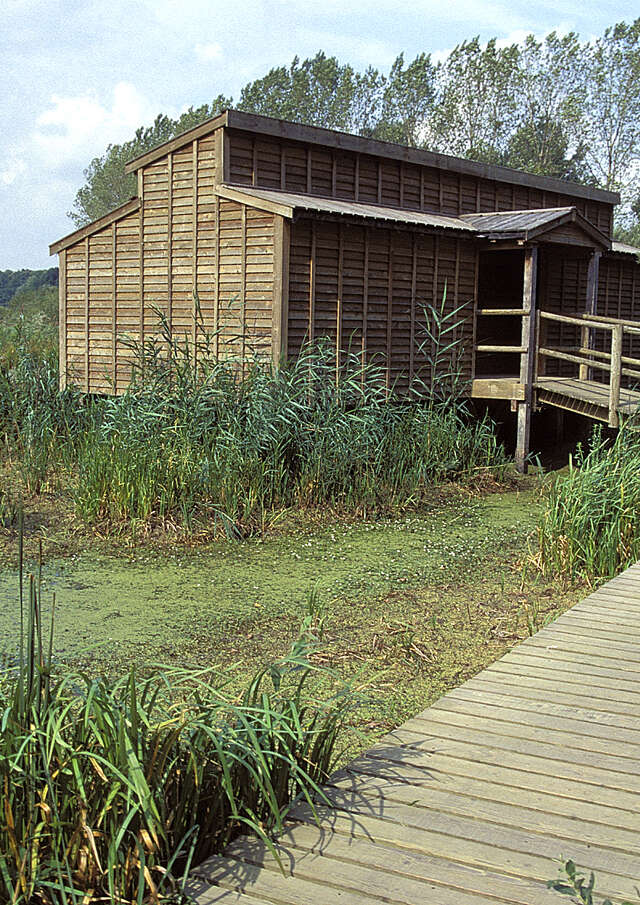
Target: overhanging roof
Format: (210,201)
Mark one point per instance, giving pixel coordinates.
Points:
(266,125)
(621,248)
(287,204)
(531,224)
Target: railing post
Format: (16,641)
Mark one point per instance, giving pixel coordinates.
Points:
(528,343)
(615,375)
(586,372)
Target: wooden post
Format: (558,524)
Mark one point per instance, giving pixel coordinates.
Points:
(527,358)
(280,314)
(616,373)
(586,335)
(62,317)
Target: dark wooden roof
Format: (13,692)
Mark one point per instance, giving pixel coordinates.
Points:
(287,204)
(531,224)
(265,125)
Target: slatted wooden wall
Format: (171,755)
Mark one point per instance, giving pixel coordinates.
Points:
(183,243)
(619,296)
(299,167)
(367,288)
(562,290)
(99,302)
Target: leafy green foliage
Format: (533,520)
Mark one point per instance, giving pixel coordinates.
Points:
(14,282)
(197,444)
(107,186)
(571,883)
(559,107)
(590,527)
(113,787)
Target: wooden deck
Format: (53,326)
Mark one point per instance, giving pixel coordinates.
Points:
(475,800)
(585,396)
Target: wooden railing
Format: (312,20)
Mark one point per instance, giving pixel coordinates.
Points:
(588,358)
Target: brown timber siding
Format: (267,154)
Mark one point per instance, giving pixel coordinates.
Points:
(101,303)
(366,288)
(182,241)
(289,165)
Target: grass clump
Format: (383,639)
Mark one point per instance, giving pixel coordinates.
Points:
(114,787)
(199,445)
(590,526)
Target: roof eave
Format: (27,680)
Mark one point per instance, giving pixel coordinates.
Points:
(184,138)
(77,235)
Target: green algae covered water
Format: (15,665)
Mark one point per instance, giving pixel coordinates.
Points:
(153,607)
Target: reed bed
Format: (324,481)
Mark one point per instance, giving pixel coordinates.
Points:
(590,527)
(198,445)
(113,788)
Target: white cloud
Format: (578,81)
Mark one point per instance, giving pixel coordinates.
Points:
(207,53)
(76,127)
(11,170)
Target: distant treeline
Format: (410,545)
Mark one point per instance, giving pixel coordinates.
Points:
(14,282)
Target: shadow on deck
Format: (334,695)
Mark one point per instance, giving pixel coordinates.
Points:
(475,800)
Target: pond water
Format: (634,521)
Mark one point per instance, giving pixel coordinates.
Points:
(153,606)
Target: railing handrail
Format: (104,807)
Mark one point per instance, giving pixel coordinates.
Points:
(578,321)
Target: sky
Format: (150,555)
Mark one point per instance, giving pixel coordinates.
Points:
(79,75)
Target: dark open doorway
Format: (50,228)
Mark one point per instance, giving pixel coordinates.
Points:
(500,285)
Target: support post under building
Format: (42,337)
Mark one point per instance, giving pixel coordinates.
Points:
(527,357)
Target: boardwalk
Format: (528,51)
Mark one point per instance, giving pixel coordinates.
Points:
(586,397)
(476,799)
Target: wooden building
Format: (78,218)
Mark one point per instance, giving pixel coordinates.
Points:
(266,233)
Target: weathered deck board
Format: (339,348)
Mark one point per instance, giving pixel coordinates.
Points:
(475,800)
(577,393)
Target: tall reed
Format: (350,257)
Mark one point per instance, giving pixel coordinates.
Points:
(113,787)
(590,526)
(199,442)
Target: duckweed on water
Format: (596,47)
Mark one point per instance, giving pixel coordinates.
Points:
(146,605)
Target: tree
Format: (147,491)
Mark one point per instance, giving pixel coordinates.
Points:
(477,101)
(318,91)
(551,90)
(407,101)
(611,121)
(106,184)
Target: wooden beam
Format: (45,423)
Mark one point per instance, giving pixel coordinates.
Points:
(218,173)
(141,280)
(62,318)
(216,283)
(365,297)
(527,357)
(194,248)
(389,310)
(170,242)
(260,204)
(615,375)
(86,316)
(312,283)
(280,302)
(114,307)
(412,325)
(243,285)
(586,335)
(339,300)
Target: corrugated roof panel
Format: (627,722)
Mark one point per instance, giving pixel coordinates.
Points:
(299,201)
(622,248)
(515,221)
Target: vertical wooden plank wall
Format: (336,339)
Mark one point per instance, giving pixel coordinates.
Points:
(295,166)
(370,287)
(183,240)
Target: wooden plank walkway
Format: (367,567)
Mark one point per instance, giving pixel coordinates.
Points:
(475,800)
(585,396)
